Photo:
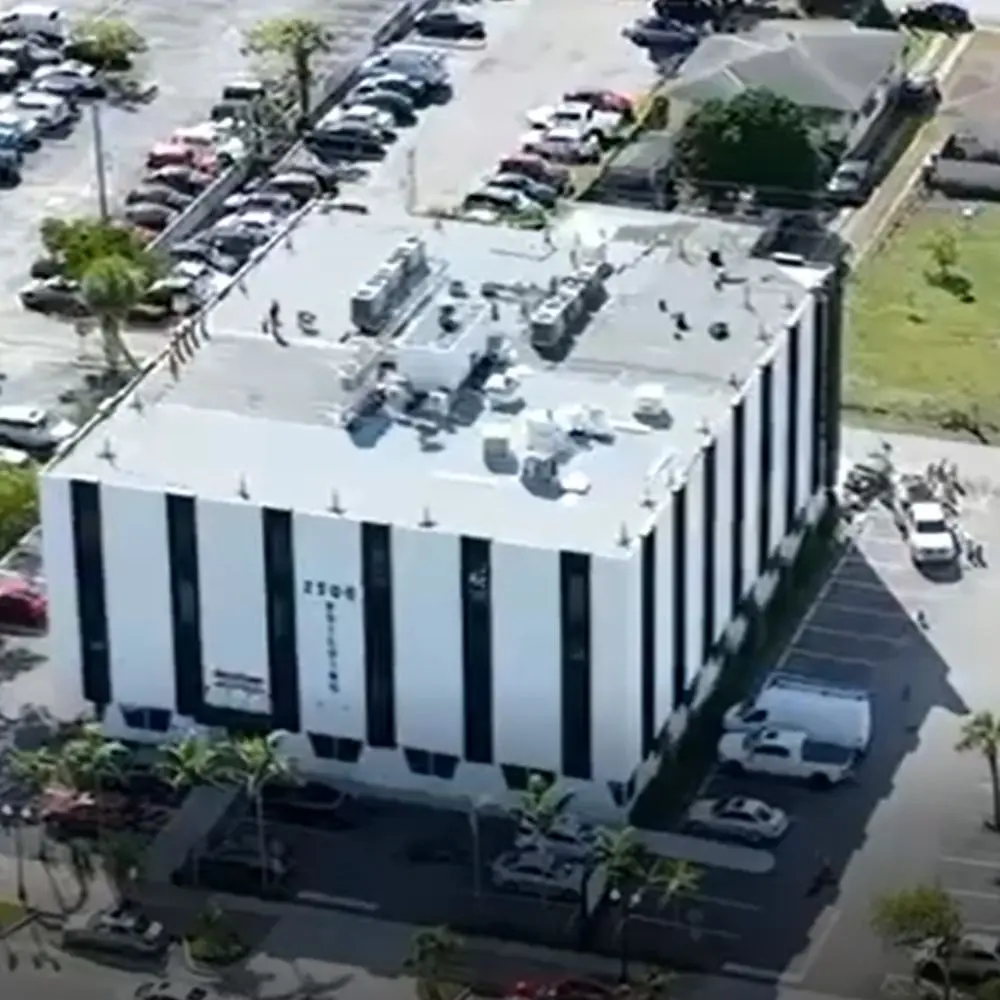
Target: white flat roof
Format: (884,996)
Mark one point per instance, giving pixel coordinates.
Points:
(246,412)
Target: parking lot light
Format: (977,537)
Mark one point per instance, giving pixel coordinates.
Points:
(476,806)
(14,819)
(628,903)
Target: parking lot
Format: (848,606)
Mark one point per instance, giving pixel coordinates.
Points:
(915,812)
(534,54)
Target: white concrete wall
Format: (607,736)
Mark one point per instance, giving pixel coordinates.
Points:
(137,596)
(751,518)
(328,550)
(527,691)
(427,609)
(723,525)
(695,567)
(664,615)
(779,425)
(233,606)
(806,359)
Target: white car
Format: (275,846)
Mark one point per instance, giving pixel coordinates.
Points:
(738,818)
(540,872)
(577,115)
(52,111)
(211,138)
(786,753)
(930,538)
(364,114)
(567,142)
(976,957)
(264,222)
(569,838)
(32,428)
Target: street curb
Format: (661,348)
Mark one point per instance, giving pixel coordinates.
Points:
(29,918)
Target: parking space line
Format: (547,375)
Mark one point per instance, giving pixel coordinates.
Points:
(855,634)
(864,609)
(973,894)
(797,651)
(345,902)
(731,904)
(973,862)
(696,930)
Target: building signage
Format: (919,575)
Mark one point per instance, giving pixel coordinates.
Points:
(331,595)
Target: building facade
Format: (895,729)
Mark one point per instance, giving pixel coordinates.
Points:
(425,662)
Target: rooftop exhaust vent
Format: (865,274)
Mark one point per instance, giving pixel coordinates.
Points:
(378,298)
(243,489)
(718,330)
(715,258)
(336,505)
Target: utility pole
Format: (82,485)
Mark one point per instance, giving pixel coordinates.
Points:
(100,166)
(411,181)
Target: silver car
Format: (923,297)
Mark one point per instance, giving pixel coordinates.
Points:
(539,872)
(33,428)
(738,818)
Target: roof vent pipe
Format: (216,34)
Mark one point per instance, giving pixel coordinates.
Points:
(243,490)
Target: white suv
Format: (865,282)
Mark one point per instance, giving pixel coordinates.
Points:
(33,428)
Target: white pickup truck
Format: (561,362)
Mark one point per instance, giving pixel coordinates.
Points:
(584,119)
(786,753)
(923,519)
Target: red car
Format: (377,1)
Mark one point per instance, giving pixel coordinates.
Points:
(565,989)
(603,100)
(21,606)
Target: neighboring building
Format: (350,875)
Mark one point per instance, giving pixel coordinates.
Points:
(968,165)
(640,175)
(500,532)
(847,75)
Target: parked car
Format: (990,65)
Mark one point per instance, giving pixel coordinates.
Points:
(919,91)
(56,114)
(346,140)
(565,146)
(177,154)
(827,712)
(310,803)
(10,73)
(736,818)
(58,296)
(568,837)
(200,251)
(20,130)
(29,55)
(449,23)
(786,753)
(542,194)
(655,33)
(295,186)
(150,215)
(262,200)
(502,201)
(685,11)
(211,141)
(581,118)
(21,606)
(35,19)
(551,174)
(975,958)
(181,178)
(413,88)
(539,872)
(32,428)
(68,79)
(399,106)
(122,930)
(244,839)
(921,517)
(602,100)
(10,166)
(851,183)
(950,18)
(380,122)
(158,194)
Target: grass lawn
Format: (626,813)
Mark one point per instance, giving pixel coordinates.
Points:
(919,349)
(10,913)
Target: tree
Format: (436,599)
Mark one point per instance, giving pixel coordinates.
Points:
(981,734)
(432,952)
(297,40)
(255,762)
(36,768)
(122,854)
(77,242)
(89,762)
(757,139)
(106,43)
(111,287)
(18,503)
(943,248)
(541,804)
(920,917)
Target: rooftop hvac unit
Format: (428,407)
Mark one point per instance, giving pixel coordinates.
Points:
(497,443)
(543,436)
(370,306)
(350,375)
(397,393)
(502,389)
(412,252)
(591,280)
(438,403)
(548,323)
(650,400)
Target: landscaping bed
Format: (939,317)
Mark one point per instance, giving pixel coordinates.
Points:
(921,339)
(213,943)
(11,913)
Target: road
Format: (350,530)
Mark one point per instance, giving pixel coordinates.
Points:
(194,48)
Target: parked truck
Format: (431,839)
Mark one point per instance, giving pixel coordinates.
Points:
(786,753)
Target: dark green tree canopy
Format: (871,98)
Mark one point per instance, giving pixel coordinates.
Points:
(757,139)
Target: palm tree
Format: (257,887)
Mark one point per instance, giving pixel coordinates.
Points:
(541,804)
(122,854)
(107,43)
(295,39)
(111,287)
(255,762)
(432,953)
(981,734)
(37,768)
(89,761)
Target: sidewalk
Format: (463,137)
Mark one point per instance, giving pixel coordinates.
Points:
(53,888)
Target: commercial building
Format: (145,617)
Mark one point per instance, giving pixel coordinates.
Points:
(449,503)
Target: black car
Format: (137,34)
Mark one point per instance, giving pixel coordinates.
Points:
(450,24)
(311,803)
(346,141)
(158,194)
(542,194)
(950,18)
(182,179)
(10,167)
(684,11)
(415,88)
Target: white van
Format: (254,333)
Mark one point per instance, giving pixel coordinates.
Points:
(830,714)
(34,19)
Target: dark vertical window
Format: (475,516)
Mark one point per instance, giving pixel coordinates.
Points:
(709,518)
(816,415)
(477,649)
(185,605)
(792,429)
(679,584)
(282,648)
(766,446)
(739,497)
(91,602)
(380,682)
(574,603)
(648,642)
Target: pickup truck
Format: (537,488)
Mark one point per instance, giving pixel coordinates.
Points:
(584,119)
(786,753)
(923,520)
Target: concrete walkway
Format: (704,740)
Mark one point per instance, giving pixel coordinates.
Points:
(709,853)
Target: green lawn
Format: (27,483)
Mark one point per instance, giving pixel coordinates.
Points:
(920,350)
(10,913)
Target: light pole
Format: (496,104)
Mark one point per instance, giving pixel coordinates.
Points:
(475,807)
(628,903)
(100,165)
(14,819)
